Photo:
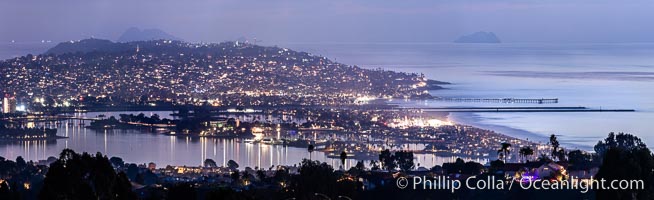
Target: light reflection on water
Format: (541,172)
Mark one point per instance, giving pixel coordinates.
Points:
(138,146)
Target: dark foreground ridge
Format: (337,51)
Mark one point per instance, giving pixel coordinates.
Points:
(393,176)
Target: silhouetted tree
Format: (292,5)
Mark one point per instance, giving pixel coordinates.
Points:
(313,172)
(404,160)
(20,162)
(360,166)
(210,163)
(526,152)
(626,159)
(556,151)
(310,149)
(231,164)
(504,151)
(620,140)
(343,156)
(76,176)
(117,162)
(581,158)
(387,160)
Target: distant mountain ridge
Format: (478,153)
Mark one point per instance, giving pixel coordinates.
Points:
(135,34)
(479,37)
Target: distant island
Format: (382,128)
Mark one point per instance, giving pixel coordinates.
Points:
(135,34)
(479,37)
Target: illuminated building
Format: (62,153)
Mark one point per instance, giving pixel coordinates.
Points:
(9,104)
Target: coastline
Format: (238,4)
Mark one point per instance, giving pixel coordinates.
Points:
(476,121)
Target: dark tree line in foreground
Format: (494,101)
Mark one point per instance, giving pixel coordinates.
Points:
(625,157)
(86,176)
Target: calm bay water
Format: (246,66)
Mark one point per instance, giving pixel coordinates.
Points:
(143,146)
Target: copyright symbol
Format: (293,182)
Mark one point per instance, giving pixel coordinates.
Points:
(402,182)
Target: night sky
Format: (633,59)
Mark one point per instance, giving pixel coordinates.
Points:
(283,21)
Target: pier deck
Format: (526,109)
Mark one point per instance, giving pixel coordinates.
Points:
(501,100)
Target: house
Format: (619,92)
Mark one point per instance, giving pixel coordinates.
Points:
(552,170)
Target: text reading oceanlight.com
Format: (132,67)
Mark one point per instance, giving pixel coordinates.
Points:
(493,183)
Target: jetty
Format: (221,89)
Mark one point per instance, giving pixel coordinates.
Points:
(516,109)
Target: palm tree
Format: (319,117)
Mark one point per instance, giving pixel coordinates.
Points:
(555,145)
(343,157)
(525,152)
(557,152)
(504,151)
(310,149)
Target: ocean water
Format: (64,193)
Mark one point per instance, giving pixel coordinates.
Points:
(16,49)
(606,76)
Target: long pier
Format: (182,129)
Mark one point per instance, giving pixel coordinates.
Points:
(510,109)
(521,109)
(501,100)
(542,110)
(491,107)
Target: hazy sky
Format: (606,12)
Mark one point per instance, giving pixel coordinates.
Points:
(283,21)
